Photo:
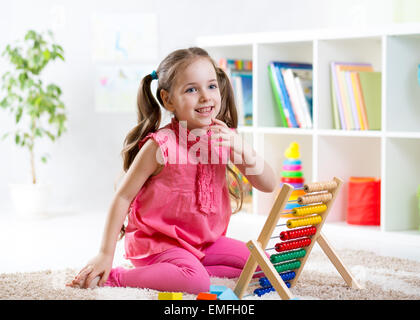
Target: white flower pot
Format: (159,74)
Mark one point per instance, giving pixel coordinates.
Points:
(30,200)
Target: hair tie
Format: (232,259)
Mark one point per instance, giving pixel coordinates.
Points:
(154,75)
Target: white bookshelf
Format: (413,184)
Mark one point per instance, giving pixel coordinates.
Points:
(392,154)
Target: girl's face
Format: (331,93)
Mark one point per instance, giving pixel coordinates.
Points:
(195,95)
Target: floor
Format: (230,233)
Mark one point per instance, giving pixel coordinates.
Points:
(70,240)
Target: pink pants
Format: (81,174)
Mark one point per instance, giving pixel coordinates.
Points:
(178,270)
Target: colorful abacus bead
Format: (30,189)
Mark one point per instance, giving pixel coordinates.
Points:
(306,210)
(294,244)
(279,257)
(299,222)
(262,291)
(289,275)
(287,266)
(264,282)
(298,233)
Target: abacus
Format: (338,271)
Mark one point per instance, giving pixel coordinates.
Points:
(282,270)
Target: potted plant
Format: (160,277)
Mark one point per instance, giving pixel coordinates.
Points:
(36,109)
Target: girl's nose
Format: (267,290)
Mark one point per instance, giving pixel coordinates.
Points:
(204,95)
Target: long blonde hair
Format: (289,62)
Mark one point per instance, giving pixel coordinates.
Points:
(149,113)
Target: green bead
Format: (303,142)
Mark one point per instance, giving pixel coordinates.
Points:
(287,266)
(279,257)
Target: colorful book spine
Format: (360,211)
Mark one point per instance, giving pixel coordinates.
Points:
(285,95)
(357,99)
(278,97)
(336,116)
(303,102)
(344,99)
(348,114)
(291,90)
(338,96)
(352,102)
(239,72)
(362,101)
(296,68)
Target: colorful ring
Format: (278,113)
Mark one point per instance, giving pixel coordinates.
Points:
(292,174)
(292,167)
(292,180)
(292,162)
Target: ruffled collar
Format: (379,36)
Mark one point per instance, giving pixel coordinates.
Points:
(205,174)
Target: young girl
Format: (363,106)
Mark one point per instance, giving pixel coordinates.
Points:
(175,189)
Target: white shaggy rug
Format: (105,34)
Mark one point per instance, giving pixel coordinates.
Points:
(383,278)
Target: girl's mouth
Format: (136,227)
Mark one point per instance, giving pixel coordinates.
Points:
(204,110)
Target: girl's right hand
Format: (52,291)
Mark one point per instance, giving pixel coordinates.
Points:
(100,266)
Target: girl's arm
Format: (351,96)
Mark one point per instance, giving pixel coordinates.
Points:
(144,165)
(258,172)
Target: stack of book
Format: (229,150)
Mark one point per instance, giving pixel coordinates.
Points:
(291,84)
(240,74)
(355,96)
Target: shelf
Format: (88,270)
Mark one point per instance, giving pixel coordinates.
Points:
(391,154)
(402,180)
(402,92)
(350,133)
(406,135)
(285,131)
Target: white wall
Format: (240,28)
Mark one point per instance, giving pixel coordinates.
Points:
(86,161)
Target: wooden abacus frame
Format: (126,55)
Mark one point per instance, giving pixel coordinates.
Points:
(258,256)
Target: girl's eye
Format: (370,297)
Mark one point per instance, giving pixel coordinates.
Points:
(190,90)
(213,86)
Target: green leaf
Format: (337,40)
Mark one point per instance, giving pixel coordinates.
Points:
(4,136)
(47,54)
(19,114)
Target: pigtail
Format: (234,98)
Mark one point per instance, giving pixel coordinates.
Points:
(229,115)
(228,112)
(148,120)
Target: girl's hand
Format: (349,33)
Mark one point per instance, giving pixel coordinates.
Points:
(99,267)
(222,135)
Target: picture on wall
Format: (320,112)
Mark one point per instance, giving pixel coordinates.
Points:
(124,49)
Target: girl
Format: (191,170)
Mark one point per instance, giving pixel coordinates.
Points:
(175,189)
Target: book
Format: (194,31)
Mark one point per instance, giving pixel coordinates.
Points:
(358,100)
(303,102)
(362,101)
(240,75)
(341,93)
(278,97)
(351,100)
(306,82)
(336,116)
(247,97)
(237,90)
(289,81)
(287,104)
(371,89)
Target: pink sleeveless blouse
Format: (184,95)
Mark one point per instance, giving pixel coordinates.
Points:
(187,203)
